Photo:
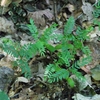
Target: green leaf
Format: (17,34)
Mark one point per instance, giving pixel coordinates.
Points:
(47,33)
(40,47)
(33,29)
(24,68)
(82,34)
(75,71)
(50,47)
(54,73)
(84,61)
(68,28)
(78,44)
(4,96)
(70,46)
(86,50)
(97,5)
(58,46)
(71,82)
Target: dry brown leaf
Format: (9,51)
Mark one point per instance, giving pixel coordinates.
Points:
(81,83)
(26,93)
(6,26)
(5,3)
(65,15)
(95,33)
(81,97)
(95,49)
(7,60)
(22,79)
(85,69)
(96,73)
(6,63)
(70,7)
(87,9)
(40,17)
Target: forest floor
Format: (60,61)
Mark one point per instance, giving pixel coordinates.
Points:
(15,15)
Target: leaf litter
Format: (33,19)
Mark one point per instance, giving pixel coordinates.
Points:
(36,88)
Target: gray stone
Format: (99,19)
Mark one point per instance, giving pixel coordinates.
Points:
(6,76)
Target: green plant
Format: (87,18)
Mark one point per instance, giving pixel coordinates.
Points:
(63,55)
(3,96)
(25,52)
(20,53)
(68,48)
(96,11)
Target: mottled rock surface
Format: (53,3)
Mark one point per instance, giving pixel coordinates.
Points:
(6,76)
